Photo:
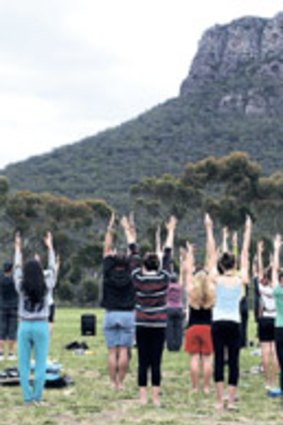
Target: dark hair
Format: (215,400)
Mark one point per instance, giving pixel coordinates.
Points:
(173,278)
(120,262)
(151,261)
(226,262)
(7,267)
(33,284)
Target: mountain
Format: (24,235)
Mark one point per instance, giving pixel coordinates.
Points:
(232,100)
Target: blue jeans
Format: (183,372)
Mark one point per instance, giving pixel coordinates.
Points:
(33,335)
(119,328)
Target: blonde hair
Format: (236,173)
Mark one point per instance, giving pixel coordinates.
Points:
(202,293)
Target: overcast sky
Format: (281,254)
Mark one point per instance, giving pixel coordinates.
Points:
(70,68)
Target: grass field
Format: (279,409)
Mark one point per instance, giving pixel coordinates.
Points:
(91,401)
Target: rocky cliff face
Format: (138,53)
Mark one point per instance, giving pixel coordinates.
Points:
(245,61)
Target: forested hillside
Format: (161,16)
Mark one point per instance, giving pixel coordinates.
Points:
(232,100)
(217,147)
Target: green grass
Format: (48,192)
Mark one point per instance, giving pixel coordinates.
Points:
(91,401)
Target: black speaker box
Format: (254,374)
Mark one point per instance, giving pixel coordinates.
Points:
(88,324)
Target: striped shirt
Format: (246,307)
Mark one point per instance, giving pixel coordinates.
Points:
(151,296)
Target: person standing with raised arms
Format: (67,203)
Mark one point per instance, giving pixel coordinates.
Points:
(118,300)
(226,315)
(151,283)
(277,282)
(33,332)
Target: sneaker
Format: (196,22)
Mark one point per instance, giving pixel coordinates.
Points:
(256,352)
(12,357)
(1,357)
(274,392)
(39,403)
(254,370)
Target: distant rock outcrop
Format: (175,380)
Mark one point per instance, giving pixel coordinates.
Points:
(246,57)
(232,100)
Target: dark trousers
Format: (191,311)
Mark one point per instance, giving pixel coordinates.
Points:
(226,336)
(174,329)
(150,344)
(279,351)
(244,311)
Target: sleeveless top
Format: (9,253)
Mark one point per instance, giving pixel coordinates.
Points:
(266,302)
(200,316)
(227,300)
(278,295)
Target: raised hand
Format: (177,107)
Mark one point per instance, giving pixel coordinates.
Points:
(207,220)
(260,247)
(111,221)
(18,240)
(48,240)
(171,223)
(225,232)
(129,228)
(125,223)
(277,241)
(248,223)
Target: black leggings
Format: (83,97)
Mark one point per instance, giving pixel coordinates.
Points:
(279,351)
(226,335)
(150,344)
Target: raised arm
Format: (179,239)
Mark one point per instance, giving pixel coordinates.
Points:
(260,268)
(169,244)
(108,239)
(170,226)
(17,269)
(276,259)
(245,250)
(187,266)
(225,235)
(211,252)
(158,248)
(50,277)
(129,228)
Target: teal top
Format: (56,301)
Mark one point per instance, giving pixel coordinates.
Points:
(278,295)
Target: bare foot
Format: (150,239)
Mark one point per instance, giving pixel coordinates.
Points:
(143,401)
(219,406)
(113,386)
(120,386)
(206,390)
(156,402)
(232,406)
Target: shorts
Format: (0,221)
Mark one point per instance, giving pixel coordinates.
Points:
(198,340)
(266,329)
(119,328)
(8,323)
(51,313)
